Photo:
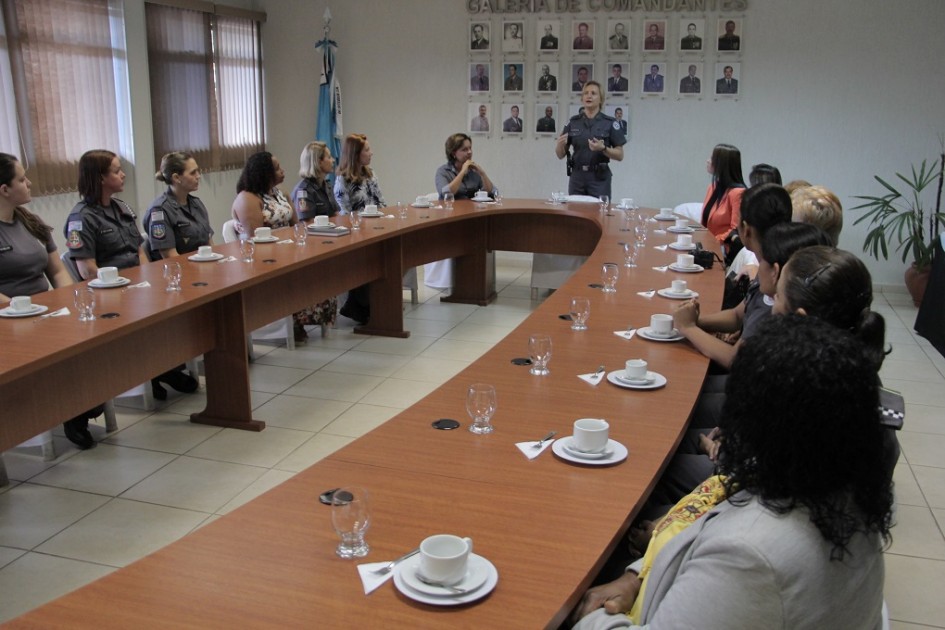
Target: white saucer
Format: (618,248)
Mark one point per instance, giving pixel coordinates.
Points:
(570,450)
(483,200)
(98,284)
(649,379)
(312,226)
(618,455)
(616,377)
(406,582)
(682,248)
(693,269)
(35,309)
(373,215)
(647,333)
(676,230)
(271,239)
(660,217)
(688,294)
(210,258)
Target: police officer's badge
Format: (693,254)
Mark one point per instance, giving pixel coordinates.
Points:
(74,239)
(158,230)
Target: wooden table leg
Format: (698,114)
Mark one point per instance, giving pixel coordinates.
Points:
(387,296)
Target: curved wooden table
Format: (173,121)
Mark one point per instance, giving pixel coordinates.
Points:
(546,524)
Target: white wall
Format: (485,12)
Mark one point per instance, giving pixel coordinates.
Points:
(833,92)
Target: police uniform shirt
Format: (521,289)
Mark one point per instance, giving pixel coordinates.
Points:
(109,235)
(319,200)
(169,225)
(580,129)
(469,186)
(23,260)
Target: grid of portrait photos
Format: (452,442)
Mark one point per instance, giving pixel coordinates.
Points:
(526,73)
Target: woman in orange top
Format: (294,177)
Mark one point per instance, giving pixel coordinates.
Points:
(723,199)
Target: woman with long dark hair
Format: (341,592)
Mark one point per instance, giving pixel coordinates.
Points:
(723,198)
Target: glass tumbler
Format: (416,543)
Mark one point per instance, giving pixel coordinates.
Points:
(351,518)
(481,405)
(300,233)
(172,274)
(630,252)
(85,303)
(580,311)
(604,203)
(608,275)
(448,199)
(539,351)
(247,248)
(355,217)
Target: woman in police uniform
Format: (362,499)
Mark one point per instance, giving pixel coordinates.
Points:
(177,222)
(102,231)
(597,139)
(314,164)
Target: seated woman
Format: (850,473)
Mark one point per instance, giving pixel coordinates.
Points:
(177,222)
(795,538)
(315,164)
(102,231)
(356,186)
(723,198)
(29,264)
(460,175)
(260,203)
(745,263)
(819,206)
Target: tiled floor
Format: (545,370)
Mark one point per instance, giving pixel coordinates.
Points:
(67,522)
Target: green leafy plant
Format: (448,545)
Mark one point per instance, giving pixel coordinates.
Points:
(900,217)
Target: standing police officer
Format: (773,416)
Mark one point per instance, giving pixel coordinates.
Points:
(597,139)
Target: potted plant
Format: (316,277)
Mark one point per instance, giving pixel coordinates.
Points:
(901,217)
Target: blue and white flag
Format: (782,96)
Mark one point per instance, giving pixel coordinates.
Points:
(329,128)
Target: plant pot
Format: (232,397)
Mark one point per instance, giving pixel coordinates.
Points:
(916,282)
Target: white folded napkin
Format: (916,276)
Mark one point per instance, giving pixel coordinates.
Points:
(372,580)
(647,294)
(528,448)
(626,334)
(140,285)
(227,259)
(593,378)
(286,241)
(659,232)
(661,248)
(663,268)
(60,313)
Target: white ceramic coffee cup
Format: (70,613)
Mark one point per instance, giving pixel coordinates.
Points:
(684,240)
(322,220)
(481,195)
(665,212)
(680,286)
(626,202)
(369,209)
(635,370)
(684,261)
(21,303)
(263,232)
(444,558)
(204,250)
(421,200)
(682,224)
(661,325)
(590,435)
(108,275)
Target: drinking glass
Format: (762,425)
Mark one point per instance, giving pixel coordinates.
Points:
(448,199)
(608,275)
(580,311)
(247,248)
(351,518)
(497,197)
(300,231)
(640,228)
(480,405)
(355,216)
(85,303)
(604,203)
(402,209)
(172,273)
(539,350)
(630,252)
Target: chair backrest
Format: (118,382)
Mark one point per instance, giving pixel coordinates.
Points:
(70,266)
(692,211)
(229,231)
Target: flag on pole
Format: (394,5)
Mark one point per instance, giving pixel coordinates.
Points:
(329,126)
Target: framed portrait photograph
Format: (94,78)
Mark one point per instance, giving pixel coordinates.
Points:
(621,113)
(479,36)
(582,36)
(547,33)
(546,115)
(547,73)
(654,35)
(618,35)
(479,117)
(691,34)
(729,35)
(654,77)
(617,77)
(512,121)
(479,77)
(513,79)
(513,36)
(690,78)
(727,78)
(581,73)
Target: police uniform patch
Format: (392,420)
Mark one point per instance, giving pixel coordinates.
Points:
(74,240)
(158,230)
(616,125)
(157,215)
